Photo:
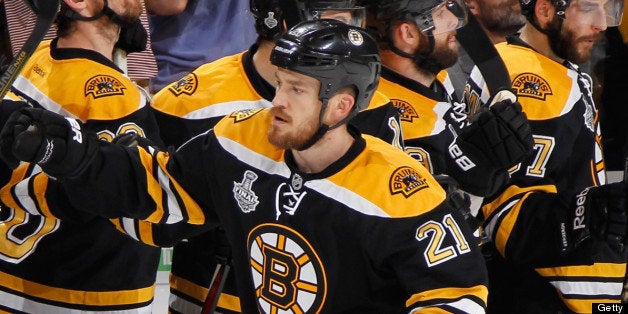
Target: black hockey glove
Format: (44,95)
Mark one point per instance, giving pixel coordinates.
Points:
(597,212)
(57,144)
(133,37)
(8,107)
(493,141)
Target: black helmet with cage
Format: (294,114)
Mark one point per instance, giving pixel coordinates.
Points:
(431,17)
(598,13)
(421,12)
(338,55)
(274,17)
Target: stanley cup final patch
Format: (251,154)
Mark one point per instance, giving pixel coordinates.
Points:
(246,198)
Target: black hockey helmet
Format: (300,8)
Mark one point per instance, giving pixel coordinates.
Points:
(588,13)
(336,54)
(419,11)
(274,17)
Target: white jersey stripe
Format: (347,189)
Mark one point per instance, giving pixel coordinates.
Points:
(464,305)
(225,108)
(588,288)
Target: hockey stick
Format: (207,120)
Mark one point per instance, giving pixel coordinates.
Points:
(215,287)
(46,11)
(481,49)
(223,265)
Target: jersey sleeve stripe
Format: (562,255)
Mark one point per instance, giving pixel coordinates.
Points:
(39,185)
(580,284)
(469,300)
(173,204)
(462,306)
(503,212)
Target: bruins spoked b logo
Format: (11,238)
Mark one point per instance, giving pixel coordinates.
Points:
(287,273)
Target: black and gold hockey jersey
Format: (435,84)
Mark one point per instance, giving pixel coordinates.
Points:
(193,105)
(196,102)
(527,271)
(186,108)
(370,233)
(83,263)
(425,113)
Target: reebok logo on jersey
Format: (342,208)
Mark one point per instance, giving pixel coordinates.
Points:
(246,198)
(406,111)
(531,85)
(103,86)
(241,115)
(187,85)
(406,181)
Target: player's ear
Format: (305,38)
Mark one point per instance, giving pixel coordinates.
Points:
(406,37)
(340,106)
(346,103)
(543,10)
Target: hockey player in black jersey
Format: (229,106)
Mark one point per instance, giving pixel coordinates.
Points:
(242,81)
(558,230)
(319,217)
(417,42)
(79,264)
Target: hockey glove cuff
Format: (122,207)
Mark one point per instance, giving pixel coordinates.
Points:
(599,213)
(133,37)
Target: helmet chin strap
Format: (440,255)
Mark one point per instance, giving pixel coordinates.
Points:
(113,16)
(323,128)
(422,60)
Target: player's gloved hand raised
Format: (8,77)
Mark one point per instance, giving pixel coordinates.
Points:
(133,37)
(57,144)
(493,141)
(598,212)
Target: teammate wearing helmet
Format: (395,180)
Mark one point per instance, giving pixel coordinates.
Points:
(81,264)
(417,42)
(195,103)
(242,81)
(558,230)
(307,232)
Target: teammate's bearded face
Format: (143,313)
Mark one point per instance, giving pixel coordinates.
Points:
(573,41)
(127,10)
(295,110)
(500,16)
(445,51)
